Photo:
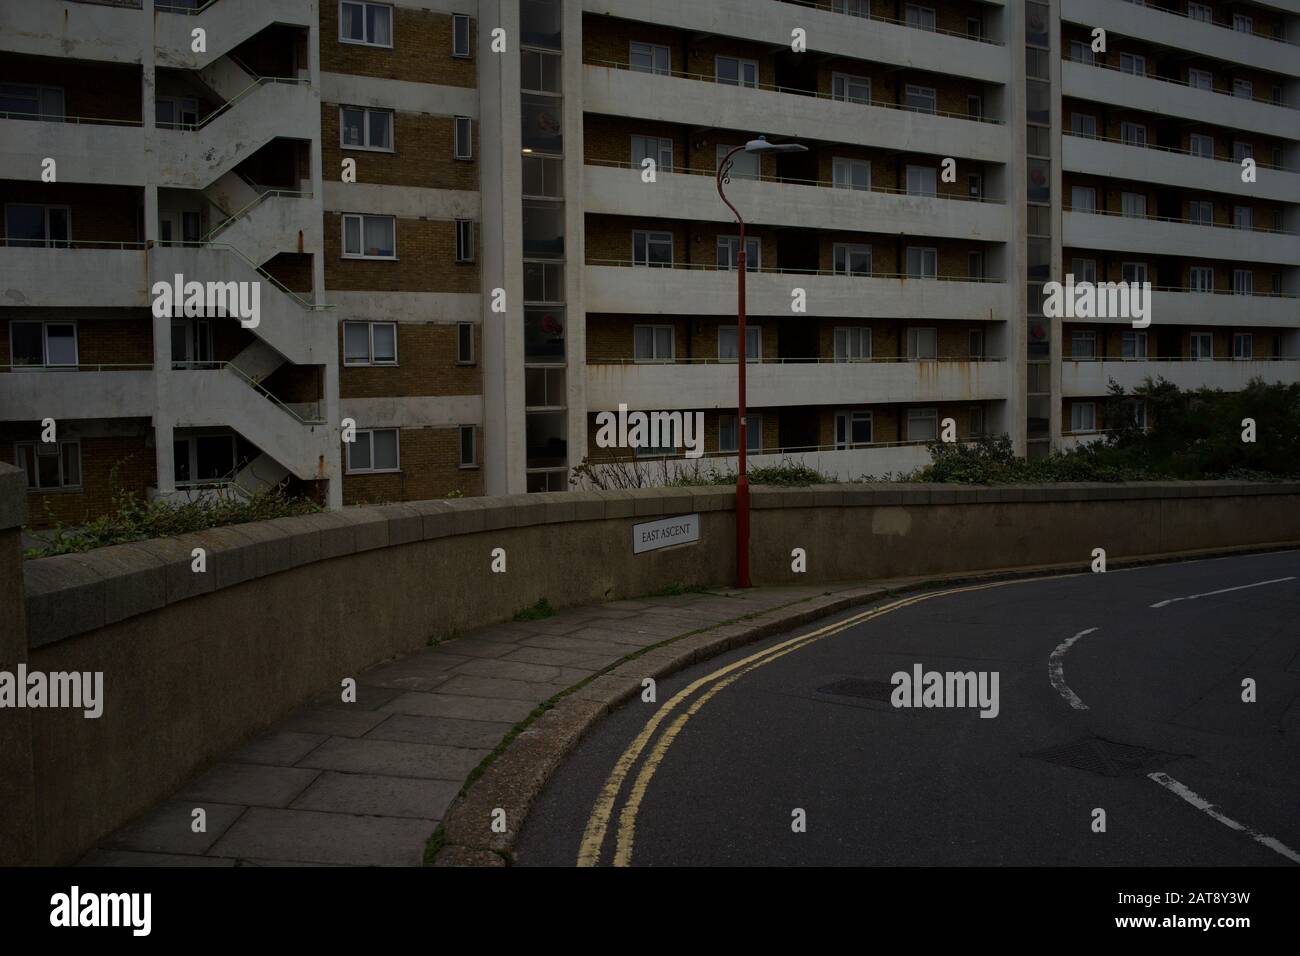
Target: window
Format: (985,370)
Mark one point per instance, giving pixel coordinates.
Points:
(1138,408)
(1133,134)
(176,112)
(191,343)
(853,344)
(369,343)
(1200,11)
(1083,199)
(652,343)
(1243,346)
(1133,345)
(850,89)
(729,253)
(975,344)
(1134,272)
(34,344)
(463,138)
(1083,345)
(369,237)
(464,240)
(1134,205)
(1242,151)
(976,420)
(922,424)
(1242,23)
(539,71)
(732,71)
(50,465)
(921,181)
(1081,52)
(365,128)
(975,28)
(850,173)
(922,344)
(975,107)
(1201,212)
(468,451)
(32,225)
(26,101)
(203,459)
(851,259)
(1083,124)
(1084,270)
(657,148)
(1201,144)
(852,429)
(729,433)
(975,265)
(921,99)
(744,165)
(543,281)
(1202,346)
(460,35)
(374,449)
(1083,417)
(1134,63)
(728,343)
(543,176)
(464,343)
(650,58)
(652,248)
(1243,282)
(1243,217)
(1202,278)
(922,262)
(368,23)
(1244,89)
(1200,79)
(922,18)
(853,8)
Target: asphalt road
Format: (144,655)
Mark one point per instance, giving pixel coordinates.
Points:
(1147,724)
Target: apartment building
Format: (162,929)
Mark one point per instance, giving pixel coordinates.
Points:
(476,225)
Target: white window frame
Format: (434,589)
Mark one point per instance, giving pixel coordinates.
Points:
(753,263)
(459,125)
(1081,52)
(1081,423)
(922,13)
(848,419)
(924,92)
(1239,339)
(1201,278)
(461,432)
(1200,12)
(364,4)
(653,49)
(465,344)
(753,433)
(847,80)
(1139,408)
(1202,346)
(663,148)
(653,237)
(47,242)
(1242,151)
(1134,342)
(1133,63)
(1243,23)
(742,66)
(927,253)
(38,93)
(365,112)
(1200,211)
(1086,129)
(1244,89)
(843,170)
(24,448)
(1088,339)
(1200,79)
(457,20)
(1243,281)
(1133,134)
(1139,271)
(1086,193)
(466,246)
(655,358)
(852,8)
(752,355)
(361,218)
(857,343)
(370,359)
(350,469)
(1084,270)
(1201,145)
(927,185)
(914,343)
(45,344)
(1138,203)
(922,415)
(849,250)
(1243,217)
(975,345)
(191,443)
(753,168)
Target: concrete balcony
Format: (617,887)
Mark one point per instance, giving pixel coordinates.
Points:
(1092,378)
(1098,157)
(65,394)
(228,23)
(1084,230)
(1184,34)
(1199,308)
(829,33)
(193,158)
(699,102)
(271,224)
(222,398)
(84,31)
(86,151)
(616,190)
(781,384)
(839,464)
(638,290)
(113,276)
(1167,98)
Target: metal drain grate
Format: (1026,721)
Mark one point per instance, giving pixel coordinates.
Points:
(860,688)
(1105,757)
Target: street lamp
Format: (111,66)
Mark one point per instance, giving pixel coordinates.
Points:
(758,146)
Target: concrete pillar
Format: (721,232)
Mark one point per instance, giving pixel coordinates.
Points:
(17,774)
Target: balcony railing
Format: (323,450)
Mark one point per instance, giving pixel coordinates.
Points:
(1178,358)
(305,413)
(713,267)
(1180,151)
(1214,23)
(794,181)
(830,7)
(83,367)
(68,244)
(626,458)
(230,104)
(1180,82)
(1185,222)
(76,120)
(798,91)
(787,360)
(262,197)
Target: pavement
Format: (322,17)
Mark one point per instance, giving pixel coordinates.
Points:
(366,783)
(1121,735)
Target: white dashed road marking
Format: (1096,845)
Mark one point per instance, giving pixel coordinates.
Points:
(1240,587)
(1200,803)
(1056,670)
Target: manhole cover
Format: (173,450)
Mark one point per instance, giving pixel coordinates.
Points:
(859,687)
(1105,757)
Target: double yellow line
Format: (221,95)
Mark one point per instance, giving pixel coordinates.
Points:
(593,837)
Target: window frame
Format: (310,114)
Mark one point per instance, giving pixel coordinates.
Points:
(1195,142)
(914,343)
(46,242)
(741,63)
(914,89)
(654,237)
(849,250)
(928,181)
(654,49)
(365,128)
(656,358)
(1243,288)
(364,4)
(457,19)
(661,144)
(362,217)
(350,469)
(849,417)
(926,413)
(753,430)
(466,241)
(854,335)
(1076,425)
(751,357)
(191,442)
(847,80)
(849,165)
(732,244)
(20,451)
(1195,352)
(459,123)
(45,345)
(1243,337)
(465,353)
(927,252)
(461,432)
(370,360)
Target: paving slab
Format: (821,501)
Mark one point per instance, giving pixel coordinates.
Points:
(532,691)
(249,784)
(281,748)
(378,795)
(133,858)
(454,705)
(308,836)
(448,731)
(334,721)
(169,828)
(395,758)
